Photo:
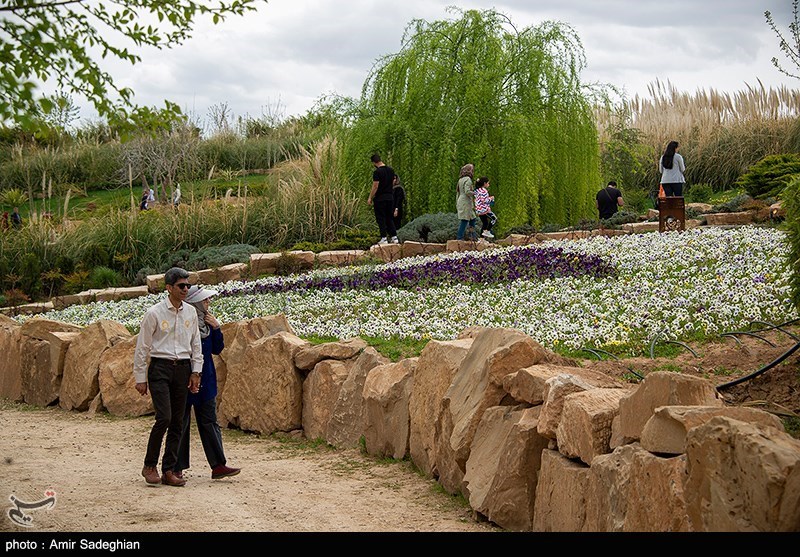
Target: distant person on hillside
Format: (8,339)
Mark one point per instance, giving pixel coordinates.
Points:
(608,200)
(672,168)
(16,219)
(465,202)
(483,206)
(399,195)
(382,200)
(151,198)
(145,196)
(176,196)
(6,222)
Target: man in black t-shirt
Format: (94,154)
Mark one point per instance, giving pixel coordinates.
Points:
(382,199)
(608,200)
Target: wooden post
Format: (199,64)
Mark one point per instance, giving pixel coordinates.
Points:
(671,214)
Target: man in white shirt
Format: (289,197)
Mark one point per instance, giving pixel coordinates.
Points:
(169,335)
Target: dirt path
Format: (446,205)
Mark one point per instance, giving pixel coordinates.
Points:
(92,463)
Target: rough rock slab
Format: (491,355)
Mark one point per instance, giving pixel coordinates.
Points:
(320,392)
(117,383)
(665,432)
(438,363)
(309,356)
(742,477)
(387,390)
(528,384)
(560,494)
(585,428)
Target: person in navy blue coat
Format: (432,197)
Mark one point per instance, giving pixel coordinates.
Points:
(204,398)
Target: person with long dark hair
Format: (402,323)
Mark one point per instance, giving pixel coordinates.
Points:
(672,167)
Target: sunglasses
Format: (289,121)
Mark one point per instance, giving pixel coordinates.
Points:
(183,285)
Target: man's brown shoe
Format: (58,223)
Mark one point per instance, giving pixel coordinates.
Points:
(223,471)
(151,475)
(171,479)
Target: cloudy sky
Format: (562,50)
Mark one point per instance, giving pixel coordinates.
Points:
(290,52)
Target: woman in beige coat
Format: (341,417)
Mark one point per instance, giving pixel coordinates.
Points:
(465,202)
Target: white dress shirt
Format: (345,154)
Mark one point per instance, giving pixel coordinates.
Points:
(169,333)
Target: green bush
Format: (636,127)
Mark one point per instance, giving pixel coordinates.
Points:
(621,217)
(217,256)
(436,228)
(31,275)
(699,193)
(733,206)
(104,277)
(14,197)
(769,176)
(141,275)
(791,203)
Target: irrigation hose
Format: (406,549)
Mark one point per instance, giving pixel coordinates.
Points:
(778,327)
(750,335)
(756,373)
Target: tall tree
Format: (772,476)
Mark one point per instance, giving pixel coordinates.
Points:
(51,40)
(478,90)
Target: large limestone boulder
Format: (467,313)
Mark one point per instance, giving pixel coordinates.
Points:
(11,362)
(663,388)
(387,389)
(478,384)
(721,219)
(263,389)
(438,363)
(529,384)
(633,490)
(237,344)
(346,424)
(503,466)
(45,343)
(43,366)
(308,357)
(742,477)
(117,383)
(560,494)
(556,390)
(386,252)
(665,432)
(79,384)
(585,428)
(40,328)
(656,499)
(339,258)
(320,392)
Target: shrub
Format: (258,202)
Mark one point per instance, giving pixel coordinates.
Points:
(621,217)
(217,256)
(791,203)
(141,275)
(104,277)
(95,255)
(288,264)
(76,282)
(15,297)
(733,206)
(432,227)
(31,274)
(770,175)
(14,197)
(699,193)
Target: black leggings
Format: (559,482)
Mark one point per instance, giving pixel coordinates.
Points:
(673,190)
(487,224)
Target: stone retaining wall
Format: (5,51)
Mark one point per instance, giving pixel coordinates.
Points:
(532,441)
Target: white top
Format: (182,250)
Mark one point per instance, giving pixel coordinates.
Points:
(151,195)
(673,175)
(167,332)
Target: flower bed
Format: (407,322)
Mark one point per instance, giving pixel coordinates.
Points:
(596,292)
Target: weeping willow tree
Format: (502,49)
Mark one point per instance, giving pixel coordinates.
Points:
(477,90)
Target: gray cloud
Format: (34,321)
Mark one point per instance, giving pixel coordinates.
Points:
(294,51)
